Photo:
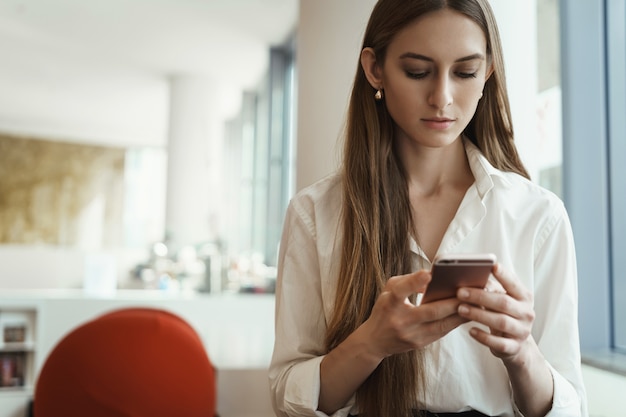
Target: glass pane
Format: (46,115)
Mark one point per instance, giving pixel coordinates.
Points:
(549,96)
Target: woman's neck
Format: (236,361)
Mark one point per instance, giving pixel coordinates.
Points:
(438,180)
(430,169)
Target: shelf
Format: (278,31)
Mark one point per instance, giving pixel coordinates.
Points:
(17,350)
(17,347)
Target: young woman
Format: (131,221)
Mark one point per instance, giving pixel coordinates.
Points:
(430,167)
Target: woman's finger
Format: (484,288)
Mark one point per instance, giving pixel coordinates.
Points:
(494,301)
(511,283)
(403,286)
(499,345)
(498,323)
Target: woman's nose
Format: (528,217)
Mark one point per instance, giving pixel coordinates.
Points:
(441,93)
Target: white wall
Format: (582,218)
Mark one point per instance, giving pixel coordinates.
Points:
(54,94)
(45,266)
(330,34)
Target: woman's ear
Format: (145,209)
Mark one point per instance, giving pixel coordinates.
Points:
(372,70)
(488,72)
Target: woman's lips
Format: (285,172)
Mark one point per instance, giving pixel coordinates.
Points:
(438,123)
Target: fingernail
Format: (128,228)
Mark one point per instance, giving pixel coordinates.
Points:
(463,309)
(463,294)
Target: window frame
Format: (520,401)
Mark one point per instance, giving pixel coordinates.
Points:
(616,88)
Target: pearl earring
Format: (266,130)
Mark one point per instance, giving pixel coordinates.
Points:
(379,95)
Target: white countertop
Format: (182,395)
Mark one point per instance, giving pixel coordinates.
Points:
(237,329)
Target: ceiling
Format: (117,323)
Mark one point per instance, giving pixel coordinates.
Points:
(95,61)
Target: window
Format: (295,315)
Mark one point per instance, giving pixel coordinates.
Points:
(594,164)
(258,167)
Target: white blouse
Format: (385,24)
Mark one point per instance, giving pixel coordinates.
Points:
(527,228)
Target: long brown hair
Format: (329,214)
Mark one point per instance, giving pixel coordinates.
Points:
(376,214)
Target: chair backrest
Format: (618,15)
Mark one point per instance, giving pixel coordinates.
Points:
(132,362)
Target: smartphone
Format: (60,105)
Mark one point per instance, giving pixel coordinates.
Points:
(452,271)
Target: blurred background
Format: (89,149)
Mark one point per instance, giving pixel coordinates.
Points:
(143,132)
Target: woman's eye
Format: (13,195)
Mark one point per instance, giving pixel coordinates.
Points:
(417,75)
(467,74)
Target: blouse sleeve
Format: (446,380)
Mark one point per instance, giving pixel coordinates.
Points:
(300,326)
(556,306)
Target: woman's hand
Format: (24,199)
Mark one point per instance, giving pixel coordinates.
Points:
(509,315)
(508,312)
(396,325)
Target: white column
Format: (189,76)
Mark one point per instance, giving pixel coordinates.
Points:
(330,33)
(194,149)
(517,23)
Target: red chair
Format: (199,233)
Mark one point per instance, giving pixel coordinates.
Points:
(133,362)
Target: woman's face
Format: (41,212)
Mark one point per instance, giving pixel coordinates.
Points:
(433,77)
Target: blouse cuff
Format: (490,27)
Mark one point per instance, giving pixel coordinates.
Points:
(303,391)
(565,400)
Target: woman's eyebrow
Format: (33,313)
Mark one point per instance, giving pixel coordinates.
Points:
(420,57)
